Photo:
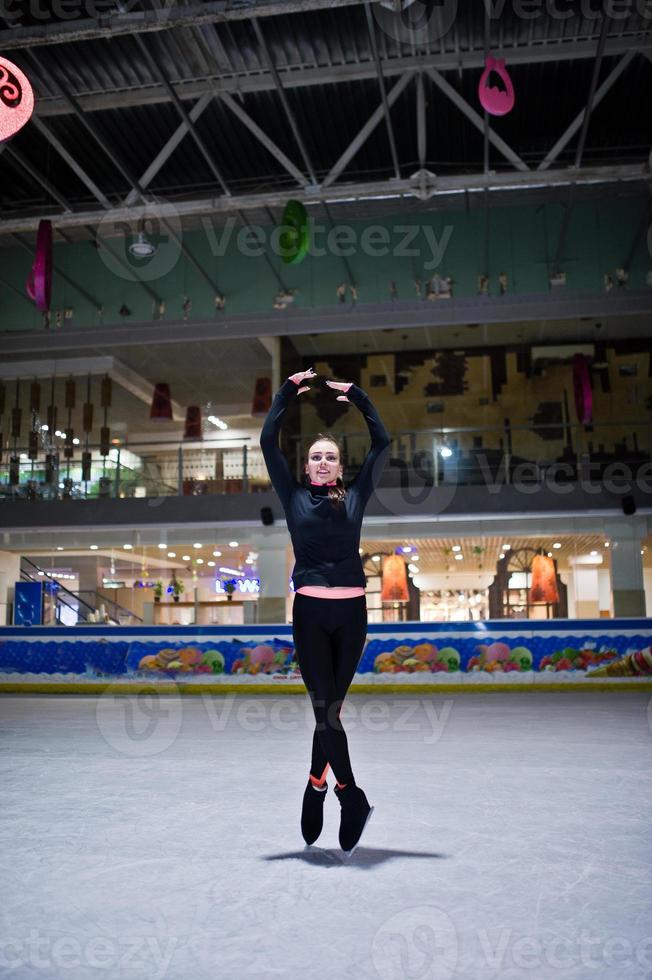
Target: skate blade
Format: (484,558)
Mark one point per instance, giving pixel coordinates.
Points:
(349,853)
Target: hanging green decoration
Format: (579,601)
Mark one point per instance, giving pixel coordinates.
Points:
(295,237)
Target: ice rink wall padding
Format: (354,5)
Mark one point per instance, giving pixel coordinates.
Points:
(410,657)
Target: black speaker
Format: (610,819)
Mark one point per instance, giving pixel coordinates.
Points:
(628,505)
(266,516)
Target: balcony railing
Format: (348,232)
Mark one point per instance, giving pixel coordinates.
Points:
(614,454)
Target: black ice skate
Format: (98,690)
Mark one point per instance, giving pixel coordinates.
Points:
(312,812)
(355,816)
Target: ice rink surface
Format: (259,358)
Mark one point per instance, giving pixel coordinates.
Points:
(147,837)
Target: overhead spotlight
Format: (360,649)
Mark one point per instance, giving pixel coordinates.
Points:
(141,247)
(445,452)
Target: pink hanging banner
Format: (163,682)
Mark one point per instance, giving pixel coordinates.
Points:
(497,102)
(39,281)
(16,99)
(582,389)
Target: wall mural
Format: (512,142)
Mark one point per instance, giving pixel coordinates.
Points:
(483,652)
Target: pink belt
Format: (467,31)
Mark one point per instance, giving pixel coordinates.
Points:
(332,591)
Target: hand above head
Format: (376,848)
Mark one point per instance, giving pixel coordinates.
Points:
(302,376)
(340,386)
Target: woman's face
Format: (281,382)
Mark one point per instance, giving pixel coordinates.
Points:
(323,464)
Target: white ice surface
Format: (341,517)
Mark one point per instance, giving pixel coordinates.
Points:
(159,838)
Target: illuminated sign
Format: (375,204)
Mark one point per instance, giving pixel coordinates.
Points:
(243,585)
(16,99)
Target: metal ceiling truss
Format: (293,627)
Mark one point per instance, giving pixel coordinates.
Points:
(421,184)
(447,186)
(165,17)
(300,76)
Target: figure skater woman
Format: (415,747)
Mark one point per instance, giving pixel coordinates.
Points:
(329,612)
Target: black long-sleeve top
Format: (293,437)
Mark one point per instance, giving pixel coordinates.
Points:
(325,538)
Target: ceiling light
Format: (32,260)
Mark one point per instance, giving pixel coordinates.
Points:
(197,544)
(406,549)
(459,557)
(557,544)
(128,547)
(507,547)
(233,544)
(593,553)
(172,554)
(211,563)
(375,557)
(59,547)
(445,452)
(606,544)
(550,554)
(200,561)
(185,557)
(141,247)
(413,568)
(75,441)
(162,547)
(217,554)
(45,428)
(500,556)
(94,547)
(457,547)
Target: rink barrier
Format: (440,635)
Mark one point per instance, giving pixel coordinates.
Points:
(397,657)
(119,690)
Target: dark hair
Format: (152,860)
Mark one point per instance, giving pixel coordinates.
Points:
(337,493)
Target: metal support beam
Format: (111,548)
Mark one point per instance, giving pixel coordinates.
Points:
(556,268)
(166,151)
(299,76)
(70,160)
(263,138)
(22,163)
(164,17)
(476,119)
(278,85)
(383,94)
(151,59)
(512,181)
(421,121)
(597,64)
(71,282)
(366,130)
(600,93)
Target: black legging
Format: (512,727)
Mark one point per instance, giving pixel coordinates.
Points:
(329,637)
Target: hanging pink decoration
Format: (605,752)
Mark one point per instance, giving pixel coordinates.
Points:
(496,101)
(39,281)
(582,389)
(16,99)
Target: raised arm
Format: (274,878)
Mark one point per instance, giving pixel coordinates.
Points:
(277,465)
(371,470)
